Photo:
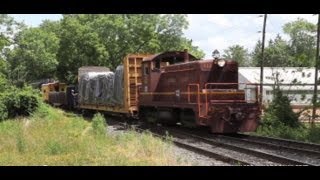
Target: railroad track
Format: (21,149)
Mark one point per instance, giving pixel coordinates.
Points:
(263,151)
(268,151)
(239,149)
(301,151)
(280,142)
(182,141)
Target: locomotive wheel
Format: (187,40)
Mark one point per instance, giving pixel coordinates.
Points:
(188,118)
(172,117)
(150,115)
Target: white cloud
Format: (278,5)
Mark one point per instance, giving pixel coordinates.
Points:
(293,17)
(220,20)
(219,31)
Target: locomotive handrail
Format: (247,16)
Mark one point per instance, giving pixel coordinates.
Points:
(246,84)
(198,90)
(198,96)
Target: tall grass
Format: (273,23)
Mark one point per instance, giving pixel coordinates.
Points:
(301,133)
(50,137)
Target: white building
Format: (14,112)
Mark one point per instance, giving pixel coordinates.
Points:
(298,82)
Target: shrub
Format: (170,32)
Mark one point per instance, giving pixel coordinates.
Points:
(3,111)
(314,134)
(99,124)
(280,111)
(18,102)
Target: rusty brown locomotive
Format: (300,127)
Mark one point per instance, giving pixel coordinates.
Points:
(170,88)
(176,87)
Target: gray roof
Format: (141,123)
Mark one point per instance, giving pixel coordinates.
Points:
(287,75)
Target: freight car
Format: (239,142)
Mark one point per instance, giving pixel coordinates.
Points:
(112,92)
(54,93)
(58,94)
(173,87)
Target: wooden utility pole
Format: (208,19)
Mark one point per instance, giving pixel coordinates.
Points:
(262,58)
(315,92)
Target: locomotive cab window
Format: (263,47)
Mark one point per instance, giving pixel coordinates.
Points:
(146,70)
(157,65)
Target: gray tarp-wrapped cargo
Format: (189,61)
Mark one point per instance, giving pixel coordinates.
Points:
(118,86)
(96,88)
(104,88)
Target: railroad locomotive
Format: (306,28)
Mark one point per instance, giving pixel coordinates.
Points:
(174,87)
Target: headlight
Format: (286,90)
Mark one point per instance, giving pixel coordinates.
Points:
(221,63)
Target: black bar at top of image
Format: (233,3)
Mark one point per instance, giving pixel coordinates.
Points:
(157,6)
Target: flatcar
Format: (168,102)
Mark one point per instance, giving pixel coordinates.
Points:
(171,88)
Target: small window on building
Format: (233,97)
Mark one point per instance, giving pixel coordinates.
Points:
(309,74)
(303,74)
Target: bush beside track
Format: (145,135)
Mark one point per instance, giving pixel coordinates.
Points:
(280,121)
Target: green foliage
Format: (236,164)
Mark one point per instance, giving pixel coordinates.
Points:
(3,111)
(53,137)
(239,54)
(3,83)
(314,134)
(21,142)
(3,67)
(6,23)
(99,124)
(299,51)
(277,54)
(18,102)
(282,131)
(34,57)
(301,133)
(54,147)
(302,41)
(280,111)
(104,40)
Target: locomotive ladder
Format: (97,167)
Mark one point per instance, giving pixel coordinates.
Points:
(198,98)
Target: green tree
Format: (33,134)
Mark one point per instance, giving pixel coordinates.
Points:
(239,54)
(80,45)
(6,23)
(302,41)
(7,28)
(280,112)
(51,26)
(256,54)
(105,39)
(299,51)
(34,56)
(277,53)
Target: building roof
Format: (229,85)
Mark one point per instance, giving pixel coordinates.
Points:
(290,76)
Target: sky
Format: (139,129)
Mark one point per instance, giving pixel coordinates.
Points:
(214,31)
